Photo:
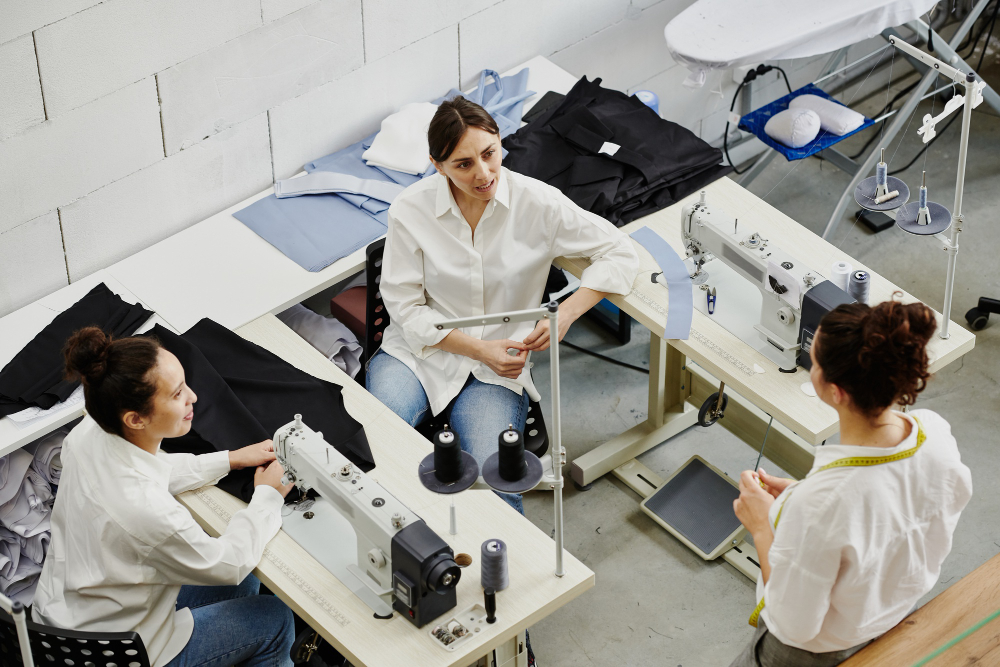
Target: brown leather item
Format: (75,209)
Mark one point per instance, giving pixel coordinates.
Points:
(349,307)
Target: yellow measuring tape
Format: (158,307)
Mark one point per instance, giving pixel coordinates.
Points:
(851,461)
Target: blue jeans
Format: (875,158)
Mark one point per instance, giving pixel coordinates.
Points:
(478,414)
(233,625)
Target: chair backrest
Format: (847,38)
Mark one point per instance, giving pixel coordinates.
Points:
(69,648)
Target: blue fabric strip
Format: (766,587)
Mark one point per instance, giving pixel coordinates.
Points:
(322,182)
(680,297)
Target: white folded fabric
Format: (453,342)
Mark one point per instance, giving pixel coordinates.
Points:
(793,127)
(48,455)
(833,118)
(402,142)
(327,334)
(13,468)
(27,514)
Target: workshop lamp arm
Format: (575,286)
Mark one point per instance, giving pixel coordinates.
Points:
(550,312)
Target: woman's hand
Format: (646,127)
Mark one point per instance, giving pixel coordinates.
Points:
(493,353)
(540,338)
(270,475)
(774,485)
(754,503)
(251,456)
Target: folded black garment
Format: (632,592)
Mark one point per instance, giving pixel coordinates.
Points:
(612,155)
(34,378)
(245,393)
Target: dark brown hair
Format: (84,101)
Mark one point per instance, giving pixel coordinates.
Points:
(878,355)
(117,375)
(450,122)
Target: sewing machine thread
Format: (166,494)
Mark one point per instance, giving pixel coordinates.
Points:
(859,286)
(494,565)
(512,465)
(840,274)
(447,456)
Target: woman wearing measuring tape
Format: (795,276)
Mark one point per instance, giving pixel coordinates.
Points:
(847,552)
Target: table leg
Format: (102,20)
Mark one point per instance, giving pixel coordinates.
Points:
(512,653)
(669,414)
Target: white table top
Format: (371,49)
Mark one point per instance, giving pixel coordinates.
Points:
(221,269)
(18,328)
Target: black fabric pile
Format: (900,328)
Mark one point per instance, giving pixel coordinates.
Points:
(245,393)
(34,378)
(657,163)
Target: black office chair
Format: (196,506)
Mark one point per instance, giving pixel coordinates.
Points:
(59,648)
(536,438)
(978,317)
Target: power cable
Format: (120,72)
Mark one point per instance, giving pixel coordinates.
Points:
(607,359)
(760,70)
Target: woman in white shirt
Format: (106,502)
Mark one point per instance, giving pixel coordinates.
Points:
(125,554)
(847,552)
(476,239)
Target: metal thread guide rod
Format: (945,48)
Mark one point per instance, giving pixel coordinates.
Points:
(549,312)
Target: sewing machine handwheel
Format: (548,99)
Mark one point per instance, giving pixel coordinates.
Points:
(707,415)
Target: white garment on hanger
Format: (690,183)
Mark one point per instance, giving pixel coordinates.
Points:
(327,334)
(402,142)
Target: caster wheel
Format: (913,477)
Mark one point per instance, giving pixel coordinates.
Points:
(977,319)
(705,417)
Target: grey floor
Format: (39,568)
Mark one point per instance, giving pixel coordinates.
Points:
(655,602)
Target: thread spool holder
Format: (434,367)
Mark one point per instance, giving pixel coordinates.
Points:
(549,312)
(973,97)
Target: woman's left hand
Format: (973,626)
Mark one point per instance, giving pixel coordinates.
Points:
(540,338)
(754,503)
(251,456)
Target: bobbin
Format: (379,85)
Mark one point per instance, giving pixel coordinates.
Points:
(511,449)
(922,217)
(872,192)
(468,469)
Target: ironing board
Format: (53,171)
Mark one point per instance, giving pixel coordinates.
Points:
(723,34)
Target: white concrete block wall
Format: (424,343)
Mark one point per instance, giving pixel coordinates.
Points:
(125,121)
(259,70)
(19,84)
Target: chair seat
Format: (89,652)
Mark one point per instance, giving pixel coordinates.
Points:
(349,307)
(58,647)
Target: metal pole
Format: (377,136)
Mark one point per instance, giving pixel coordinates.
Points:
(957,218)
(559,454)
(16,609)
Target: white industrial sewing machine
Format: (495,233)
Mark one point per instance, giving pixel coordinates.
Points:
(400,562)
(794,297)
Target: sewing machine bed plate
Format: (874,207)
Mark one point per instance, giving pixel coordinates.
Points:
(330,539)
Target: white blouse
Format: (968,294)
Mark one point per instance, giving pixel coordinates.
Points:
(434,269)
(122,545)
(857,547)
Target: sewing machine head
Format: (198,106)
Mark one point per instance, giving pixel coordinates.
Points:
(794,297)
(399,558)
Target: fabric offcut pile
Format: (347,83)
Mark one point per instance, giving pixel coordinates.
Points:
(319,220)
(316,230)
(613,155)
(34,377)
(246,393)
(28,478)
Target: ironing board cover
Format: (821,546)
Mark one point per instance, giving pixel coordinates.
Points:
(722,34)
(755,121)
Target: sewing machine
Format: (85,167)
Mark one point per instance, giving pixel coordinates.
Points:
(400,563)
(794,297)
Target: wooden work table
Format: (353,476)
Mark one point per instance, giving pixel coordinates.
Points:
(677,386)
(956,610)
(332,609)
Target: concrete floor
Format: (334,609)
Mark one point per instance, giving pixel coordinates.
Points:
(656,602)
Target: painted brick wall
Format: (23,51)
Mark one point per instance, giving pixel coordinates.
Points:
(125,121)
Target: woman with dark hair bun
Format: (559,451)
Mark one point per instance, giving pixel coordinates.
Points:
(846,553)
(477,239)
(125,554)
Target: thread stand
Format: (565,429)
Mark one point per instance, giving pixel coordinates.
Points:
(875,193)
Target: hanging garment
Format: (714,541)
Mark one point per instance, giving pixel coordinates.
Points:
(328,335)
(246,393)
(613,155)
(35,376)
(315,231)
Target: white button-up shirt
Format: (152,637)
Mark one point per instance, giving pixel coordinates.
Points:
(122,545)
(435,269)
(857,547)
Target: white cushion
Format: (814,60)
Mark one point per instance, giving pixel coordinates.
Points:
(834,118)
(793,127)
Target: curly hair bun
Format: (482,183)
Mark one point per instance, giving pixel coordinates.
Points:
(86,354)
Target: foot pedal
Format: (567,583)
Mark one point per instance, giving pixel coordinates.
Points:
(695,505)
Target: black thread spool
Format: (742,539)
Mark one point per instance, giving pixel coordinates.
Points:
(512,469)
(512,465)
(448,469)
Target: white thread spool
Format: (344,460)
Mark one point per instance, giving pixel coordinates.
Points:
(494,565)
(840,274)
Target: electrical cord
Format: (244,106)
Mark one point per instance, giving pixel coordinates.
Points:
(760,70)
(601,356)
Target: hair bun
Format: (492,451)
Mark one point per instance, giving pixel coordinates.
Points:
(86,354)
